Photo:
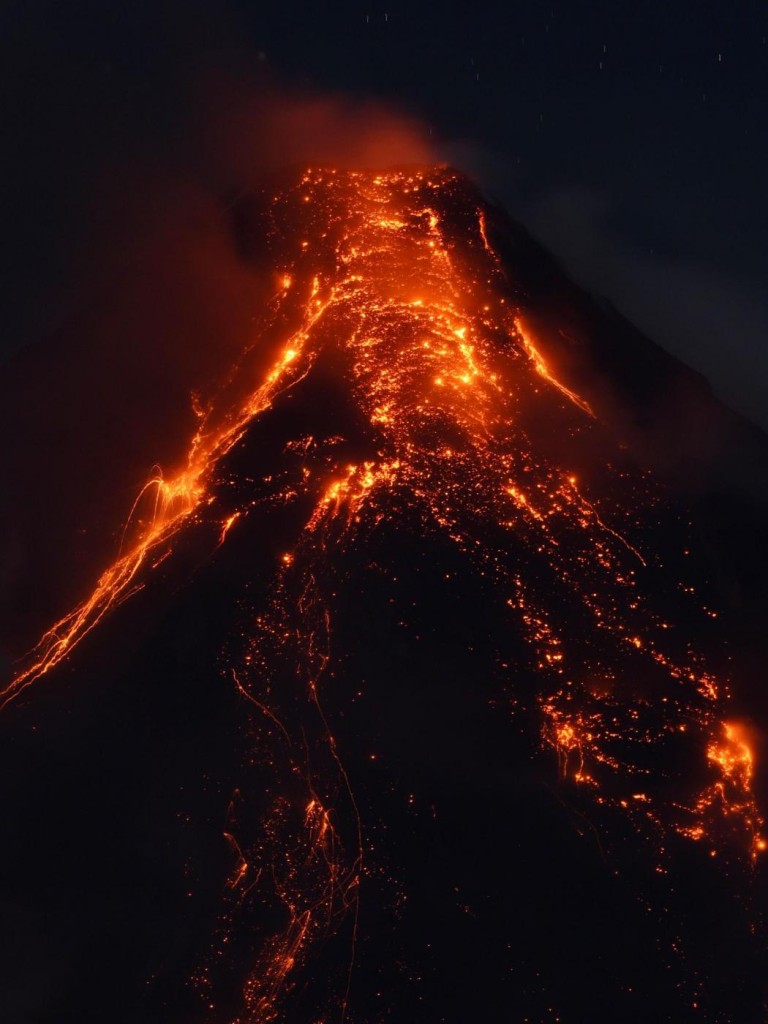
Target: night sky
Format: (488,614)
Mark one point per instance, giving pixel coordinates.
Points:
(631,138)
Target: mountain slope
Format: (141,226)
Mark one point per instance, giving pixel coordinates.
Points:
(415,668)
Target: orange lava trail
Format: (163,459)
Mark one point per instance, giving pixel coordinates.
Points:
(174,502)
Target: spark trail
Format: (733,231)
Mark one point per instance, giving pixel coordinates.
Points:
(393,280)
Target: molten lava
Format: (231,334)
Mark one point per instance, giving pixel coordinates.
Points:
(390,284)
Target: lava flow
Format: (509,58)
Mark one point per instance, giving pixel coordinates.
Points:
(390,285)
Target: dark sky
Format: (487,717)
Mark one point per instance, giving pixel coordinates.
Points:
(631,138)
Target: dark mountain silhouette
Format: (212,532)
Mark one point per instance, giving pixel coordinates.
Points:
(406,697)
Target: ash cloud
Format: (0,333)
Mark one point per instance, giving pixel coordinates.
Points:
(255,125)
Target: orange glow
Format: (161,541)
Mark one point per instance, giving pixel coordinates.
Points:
(732,760)
(543,370)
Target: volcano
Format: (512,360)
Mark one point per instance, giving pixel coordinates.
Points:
(422,688)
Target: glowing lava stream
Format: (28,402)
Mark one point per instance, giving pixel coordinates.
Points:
(172,503)
(433,346)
